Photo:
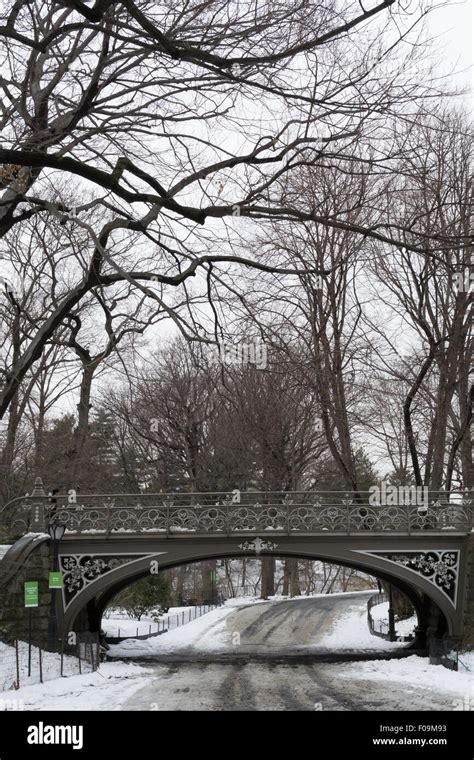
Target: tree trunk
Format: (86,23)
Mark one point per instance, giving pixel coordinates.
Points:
(268,577)
(180,584)
(286,578)
(209,588)
(82,429)
(294,579)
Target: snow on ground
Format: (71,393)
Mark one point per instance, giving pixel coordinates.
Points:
(116,683)
(3,549)
(50,663)
(119,624)
(352,632)
(107,689)
(417,671)
(403,627)
(206,633)
(211,634)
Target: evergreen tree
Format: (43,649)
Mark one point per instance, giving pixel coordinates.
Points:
(149,594)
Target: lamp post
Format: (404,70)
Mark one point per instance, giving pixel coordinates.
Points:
(56,530)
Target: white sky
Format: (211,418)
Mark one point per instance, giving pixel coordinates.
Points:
(452,23)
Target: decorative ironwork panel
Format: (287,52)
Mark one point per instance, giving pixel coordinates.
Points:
(257,545)
(258,518)
(81,520)
(20,522)
(315,518)
(80,570)
(440,567)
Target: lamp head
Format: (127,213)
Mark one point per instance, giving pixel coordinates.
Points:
(56,529)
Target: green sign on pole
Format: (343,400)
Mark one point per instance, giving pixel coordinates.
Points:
(31,594)
(55,580)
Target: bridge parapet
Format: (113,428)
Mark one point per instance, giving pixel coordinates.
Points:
(303,512)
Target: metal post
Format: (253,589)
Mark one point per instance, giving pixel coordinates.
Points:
(17,664)
(40,662)
(107,518)
(391,615)
(53,621)
(29,642)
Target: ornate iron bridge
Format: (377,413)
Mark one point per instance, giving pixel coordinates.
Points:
(225,514)
(422,545)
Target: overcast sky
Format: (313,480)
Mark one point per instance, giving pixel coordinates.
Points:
(453,24)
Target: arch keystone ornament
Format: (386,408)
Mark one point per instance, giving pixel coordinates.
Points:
(438,566)
(257,545)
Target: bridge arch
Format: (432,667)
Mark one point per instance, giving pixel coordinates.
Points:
(436,612)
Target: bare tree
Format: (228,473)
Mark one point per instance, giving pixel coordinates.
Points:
(434,297)
(136,103)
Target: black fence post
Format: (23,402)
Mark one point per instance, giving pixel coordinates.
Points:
(17,665)
(29,642)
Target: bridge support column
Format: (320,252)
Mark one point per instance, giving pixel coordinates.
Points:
(89,619)
(468,632)
(13,615)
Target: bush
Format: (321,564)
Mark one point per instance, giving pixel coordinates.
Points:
(151,593)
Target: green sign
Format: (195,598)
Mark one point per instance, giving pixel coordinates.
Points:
(213,575)
(31,593)
(55,580)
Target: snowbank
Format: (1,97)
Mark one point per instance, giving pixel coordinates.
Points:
(402,627)
(417,671)
(351,632)
(107,689)
(206,633)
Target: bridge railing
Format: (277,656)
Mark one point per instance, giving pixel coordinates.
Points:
(174,514)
